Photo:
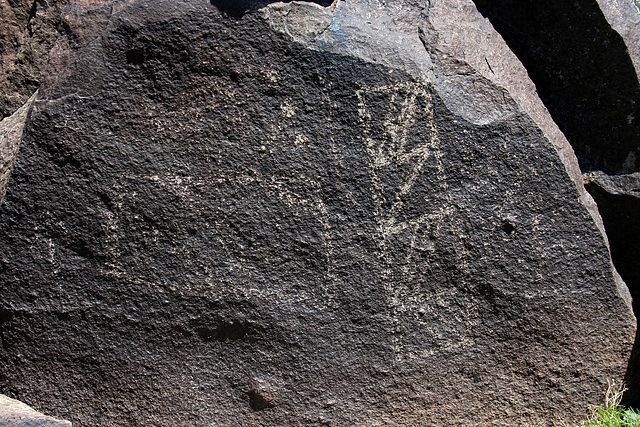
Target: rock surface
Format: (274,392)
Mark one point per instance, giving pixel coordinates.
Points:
(11,129)
(583,71)
(14,413)
(618,197)
(584,58)
(28,30)
(454,32)
(291,215)
(624,18)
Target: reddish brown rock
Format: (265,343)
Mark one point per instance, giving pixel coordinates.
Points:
(28,30)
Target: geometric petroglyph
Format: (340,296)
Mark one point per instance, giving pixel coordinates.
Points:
(412,204)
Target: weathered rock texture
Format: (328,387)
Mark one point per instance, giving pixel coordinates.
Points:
(28,30)
(14,413)
(584,58)
(291,215)
(619,201)
(455,32)
(624,17)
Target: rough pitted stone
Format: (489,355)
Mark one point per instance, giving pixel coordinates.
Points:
(454,32)
(584,58)
(14,413)
(28,30)
(267,218)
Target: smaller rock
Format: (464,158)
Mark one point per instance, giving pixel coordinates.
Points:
(263,394)
(18,414)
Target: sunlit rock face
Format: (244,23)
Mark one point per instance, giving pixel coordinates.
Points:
(584,58)
(297,214)
(16,413)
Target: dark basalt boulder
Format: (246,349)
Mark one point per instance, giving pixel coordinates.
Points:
(584,57)
(297,215)
(583,71)
(28,30)
(619,199)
